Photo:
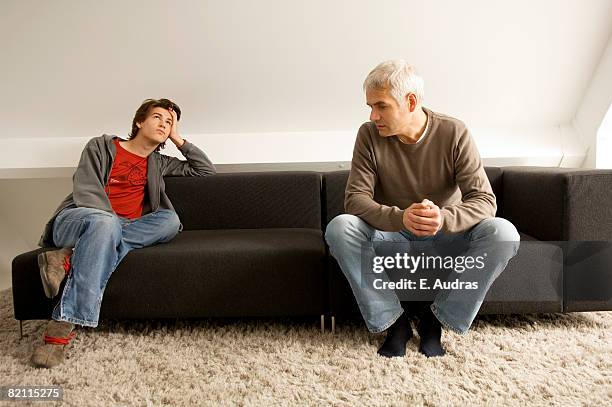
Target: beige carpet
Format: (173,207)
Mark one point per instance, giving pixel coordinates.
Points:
(563,360)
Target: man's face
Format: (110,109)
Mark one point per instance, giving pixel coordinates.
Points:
(389,117)
(156,127)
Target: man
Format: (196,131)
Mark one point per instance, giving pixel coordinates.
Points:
(117,204)
(416,176)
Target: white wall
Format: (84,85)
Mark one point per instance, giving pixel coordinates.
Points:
(273,81)
(604,142)
(51,157)
(595,103)
(80,68)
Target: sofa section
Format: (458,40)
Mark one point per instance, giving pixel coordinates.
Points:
(532,281)
(574,208)
(251,246)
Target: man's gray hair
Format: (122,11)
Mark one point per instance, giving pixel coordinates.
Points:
(397,76)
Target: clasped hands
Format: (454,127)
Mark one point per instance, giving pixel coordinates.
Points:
(423,218)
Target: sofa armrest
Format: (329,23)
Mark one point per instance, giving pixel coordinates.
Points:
(559,204)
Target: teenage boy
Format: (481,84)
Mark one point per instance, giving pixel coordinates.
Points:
(117,204)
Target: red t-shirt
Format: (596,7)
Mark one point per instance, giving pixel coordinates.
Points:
(126,184)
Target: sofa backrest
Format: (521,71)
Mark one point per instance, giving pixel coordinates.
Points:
(247,200)
(558,204)
(334,184)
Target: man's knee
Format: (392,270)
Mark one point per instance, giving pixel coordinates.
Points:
(498,230)
(337,227)
(343,227)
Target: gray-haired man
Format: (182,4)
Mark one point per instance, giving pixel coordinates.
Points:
(416,176)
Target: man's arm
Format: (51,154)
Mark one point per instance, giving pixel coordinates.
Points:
(478,200)
(359,194)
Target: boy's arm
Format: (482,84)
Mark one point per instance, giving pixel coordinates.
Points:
(197,164)
(88,179)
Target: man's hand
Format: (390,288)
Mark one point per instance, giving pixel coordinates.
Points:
(423,219)
(174,136)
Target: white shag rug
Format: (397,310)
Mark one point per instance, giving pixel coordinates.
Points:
(549,359)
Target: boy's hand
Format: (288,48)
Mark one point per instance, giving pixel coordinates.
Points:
(174,135)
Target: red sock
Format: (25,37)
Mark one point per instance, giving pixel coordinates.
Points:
(67,264)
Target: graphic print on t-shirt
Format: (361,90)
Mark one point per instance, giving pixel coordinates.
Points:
(126,183)
(136,173)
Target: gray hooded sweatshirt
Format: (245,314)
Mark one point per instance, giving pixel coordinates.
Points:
(91,176)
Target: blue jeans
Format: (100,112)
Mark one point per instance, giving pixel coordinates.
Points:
(346,235)
(100,241)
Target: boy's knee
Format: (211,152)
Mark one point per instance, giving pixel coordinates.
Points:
(105,224)
(170,225)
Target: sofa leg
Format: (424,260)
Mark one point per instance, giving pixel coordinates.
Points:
(20,329)
(322,323)
(333,324)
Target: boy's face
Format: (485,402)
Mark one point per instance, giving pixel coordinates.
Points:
(156,127)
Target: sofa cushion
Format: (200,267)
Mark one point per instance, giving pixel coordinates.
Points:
(223,273)
(208,273)
(587,276)
(334,184)
(247,200)
(532,282)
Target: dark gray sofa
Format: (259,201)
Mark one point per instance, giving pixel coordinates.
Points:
(253,245)
(564,263)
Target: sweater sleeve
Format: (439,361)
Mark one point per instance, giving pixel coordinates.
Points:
(359,193)
(197,163)
(478,201)
(88,180)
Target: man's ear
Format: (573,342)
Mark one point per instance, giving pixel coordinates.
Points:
(411,101)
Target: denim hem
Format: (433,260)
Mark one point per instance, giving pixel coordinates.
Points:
(81,322)
(58,313)
(387,325)
(78,321)
(435,311)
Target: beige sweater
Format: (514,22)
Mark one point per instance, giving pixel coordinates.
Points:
(388,176)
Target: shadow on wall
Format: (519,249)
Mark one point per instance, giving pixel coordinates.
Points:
(25,207)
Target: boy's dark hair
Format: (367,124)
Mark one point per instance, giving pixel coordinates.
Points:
(143,112)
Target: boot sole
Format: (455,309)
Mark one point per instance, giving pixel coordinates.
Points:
(45,361)
(42,266)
